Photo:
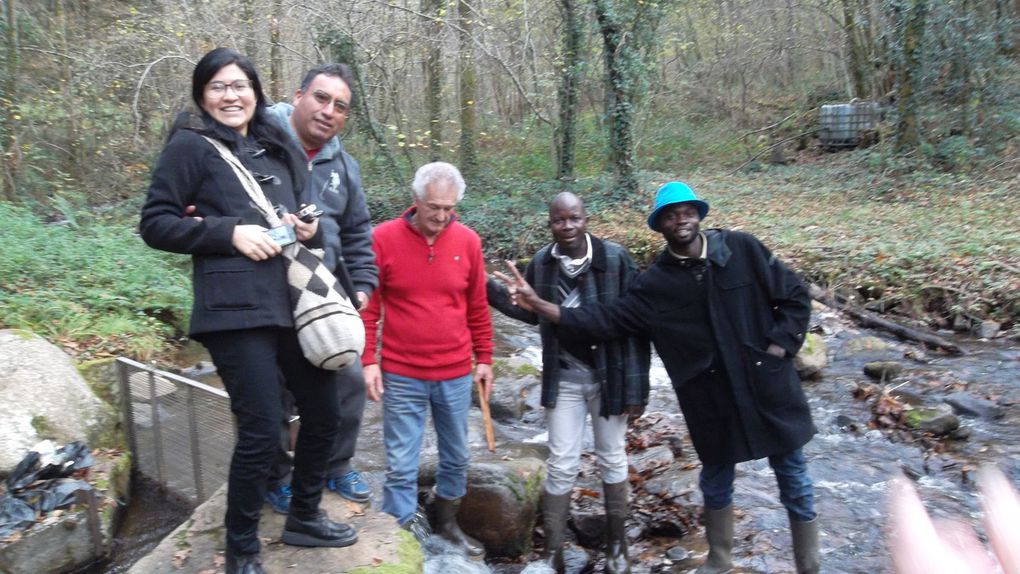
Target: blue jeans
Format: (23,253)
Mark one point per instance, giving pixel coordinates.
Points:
(795,489)
(405,407)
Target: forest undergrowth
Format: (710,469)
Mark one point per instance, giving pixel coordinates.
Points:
(937,249)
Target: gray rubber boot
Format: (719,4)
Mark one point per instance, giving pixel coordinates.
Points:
(554,516)
(617,561)
(805,545)
(448,529)
(719,531)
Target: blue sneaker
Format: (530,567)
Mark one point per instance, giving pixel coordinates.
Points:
(279,498)
(350,486)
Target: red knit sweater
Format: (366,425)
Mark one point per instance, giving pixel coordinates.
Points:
(432,301)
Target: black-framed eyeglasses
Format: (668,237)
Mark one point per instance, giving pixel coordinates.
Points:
(220,88)
(323,98)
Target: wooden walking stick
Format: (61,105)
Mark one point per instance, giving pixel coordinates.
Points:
(490,438)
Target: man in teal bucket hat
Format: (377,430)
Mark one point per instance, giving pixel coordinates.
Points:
(672,193)
(726,317)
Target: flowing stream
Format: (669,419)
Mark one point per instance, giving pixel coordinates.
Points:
(850,463)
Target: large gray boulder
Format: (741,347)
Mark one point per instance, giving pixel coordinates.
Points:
(43,396)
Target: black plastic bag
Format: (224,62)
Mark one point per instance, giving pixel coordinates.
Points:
(64,462)
(15,515)
(25,473)
(53,494)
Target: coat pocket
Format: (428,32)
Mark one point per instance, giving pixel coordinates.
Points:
(774,380)
(229,284)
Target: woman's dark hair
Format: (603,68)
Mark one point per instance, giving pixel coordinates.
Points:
(216,60)
(261,128)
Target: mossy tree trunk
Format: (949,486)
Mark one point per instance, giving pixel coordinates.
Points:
(619,107)
(566,142)
(908,131)
(468,88)
(856,65)
(433,9)
(1005,27)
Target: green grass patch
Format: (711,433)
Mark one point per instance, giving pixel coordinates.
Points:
(409,555)
(945,243)
(93,287)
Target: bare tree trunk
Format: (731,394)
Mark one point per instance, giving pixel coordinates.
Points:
(619,69)
(8,130)
(566,143)
(341,47)
(73,123)
(276,87)
(468,89)
(908,132)
(248,15)
(433,9)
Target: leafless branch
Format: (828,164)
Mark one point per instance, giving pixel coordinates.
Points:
(141,80)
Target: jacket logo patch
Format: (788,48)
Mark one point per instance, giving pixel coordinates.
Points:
(334,183)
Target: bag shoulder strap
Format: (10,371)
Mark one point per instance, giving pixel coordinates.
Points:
(251,187)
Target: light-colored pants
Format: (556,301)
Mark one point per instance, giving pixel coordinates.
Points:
(565,422)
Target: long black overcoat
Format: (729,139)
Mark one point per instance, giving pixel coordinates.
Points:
(759,408)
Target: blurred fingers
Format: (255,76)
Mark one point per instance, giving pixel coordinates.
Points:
(1001,504)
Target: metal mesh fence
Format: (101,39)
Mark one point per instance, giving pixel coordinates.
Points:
(181,431)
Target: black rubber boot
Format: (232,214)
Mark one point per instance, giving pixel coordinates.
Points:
(805,545)
(617,561)
(318,530)
(555,508)
(719,531)
(448,529)
(244,563)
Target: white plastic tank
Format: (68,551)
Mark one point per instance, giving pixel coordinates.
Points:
(842,124)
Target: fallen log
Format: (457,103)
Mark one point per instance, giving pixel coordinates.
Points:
(868,319)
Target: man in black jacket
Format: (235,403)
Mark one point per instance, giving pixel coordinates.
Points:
(608,381)
(726,317)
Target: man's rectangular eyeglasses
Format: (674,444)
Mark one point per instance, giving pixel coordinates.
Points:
(220,88)
(323,98)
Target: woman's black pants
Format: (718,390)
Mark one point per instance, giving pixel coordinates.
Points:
(254,365)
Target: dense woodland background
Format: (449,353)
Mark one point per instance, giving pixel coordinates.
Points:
(605,97)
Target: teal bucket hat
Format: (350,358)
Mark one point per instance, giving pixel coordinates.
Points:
(671,193)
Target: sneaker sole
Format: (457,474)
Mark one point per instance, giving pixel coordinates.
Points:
(300,539)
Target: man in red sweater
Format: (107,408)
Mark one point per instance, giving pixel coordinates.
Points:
(432,293)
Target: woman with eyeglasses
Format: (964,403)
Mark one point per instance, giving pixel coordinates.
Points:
(242,312)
